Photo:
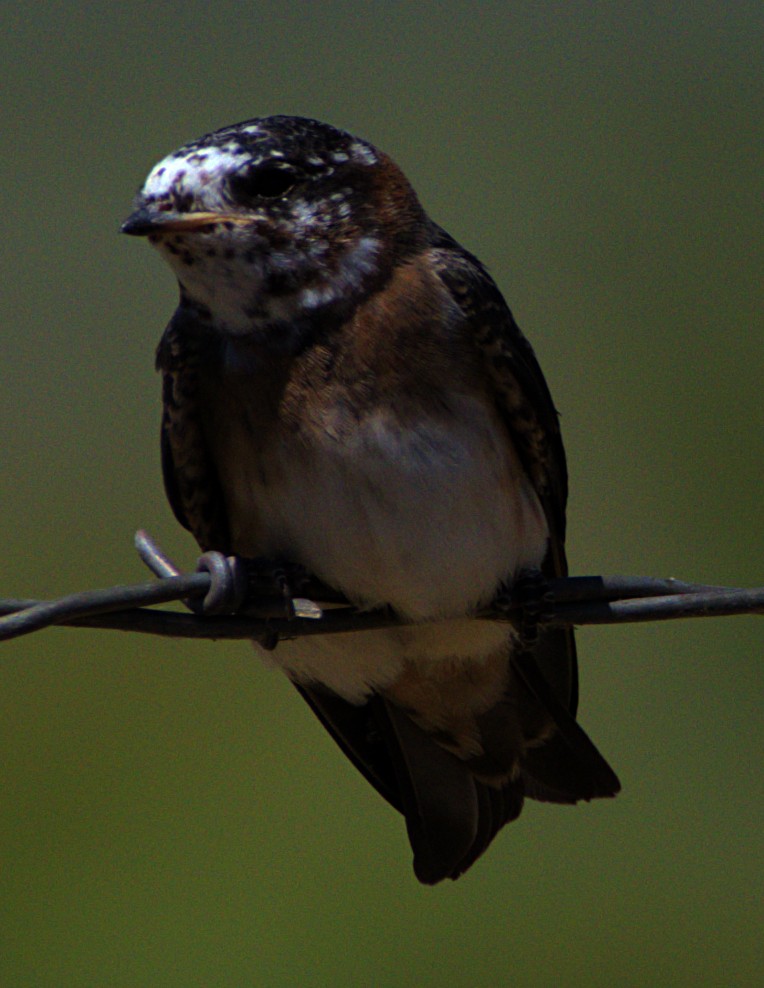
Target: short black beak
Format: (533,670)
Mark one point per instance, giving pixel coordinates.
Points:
(142,222)
(149,219)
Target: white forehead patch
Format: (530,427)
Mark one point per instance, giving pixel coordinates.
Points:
(193,171)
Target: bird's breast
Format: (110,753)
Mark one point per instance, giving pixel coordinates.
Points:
(427,516)
(383,467)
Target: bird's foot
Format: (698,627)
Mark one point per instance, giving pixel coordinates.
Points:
(525,600)
(265,587)
(277,582)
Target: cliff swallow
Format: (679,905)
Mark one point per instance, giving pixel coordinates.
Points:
(346,389)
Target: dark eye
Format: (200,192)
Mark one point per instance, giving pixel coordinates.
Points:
(267,181)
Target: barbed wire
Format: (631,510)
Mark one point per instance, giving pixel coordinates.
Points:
(229,603)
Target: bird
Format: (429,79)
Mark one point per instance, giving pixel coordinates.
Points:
(346,391)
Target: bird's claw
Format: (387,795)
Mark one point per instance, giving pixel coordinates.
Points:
(526,602)
(238,585)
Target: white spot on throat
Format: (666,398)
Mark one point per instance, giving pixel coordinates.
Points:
(225,286)
(230,286)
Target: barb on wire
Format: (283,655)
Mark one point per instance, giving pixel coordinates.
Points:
(268,617)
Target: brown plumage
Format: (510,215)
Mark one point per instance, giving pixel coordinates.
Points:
(346,389)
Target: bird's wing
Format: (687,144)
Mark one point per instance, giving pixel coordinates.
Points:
(567,767)
(516,380)
(190,477)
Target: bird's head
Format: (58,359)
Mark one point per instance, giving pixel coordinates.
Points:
(276,220)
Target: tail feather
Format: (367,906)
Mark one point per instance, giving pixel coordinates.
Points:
(567,767)
(451,816)
(454,806)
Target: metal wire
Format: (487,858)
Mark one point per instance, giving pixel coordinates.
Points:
(572,600)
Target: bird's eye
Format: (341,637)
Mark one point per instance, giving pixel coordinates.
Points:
(269,181)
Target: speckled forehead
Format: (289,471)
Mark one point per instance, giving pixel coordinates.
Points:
(301,138)
(203,162)
(195,166)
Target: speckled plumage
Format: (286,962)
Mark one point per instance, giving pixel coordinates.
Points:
(346,388)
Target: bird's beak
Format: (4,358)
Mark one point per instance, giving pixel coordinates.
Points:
(149,219)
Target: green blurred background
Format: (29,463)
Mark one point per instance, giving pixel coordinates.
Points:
(171,814)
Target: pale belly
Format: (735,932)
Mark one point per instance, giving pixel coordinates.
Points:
(429,520)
